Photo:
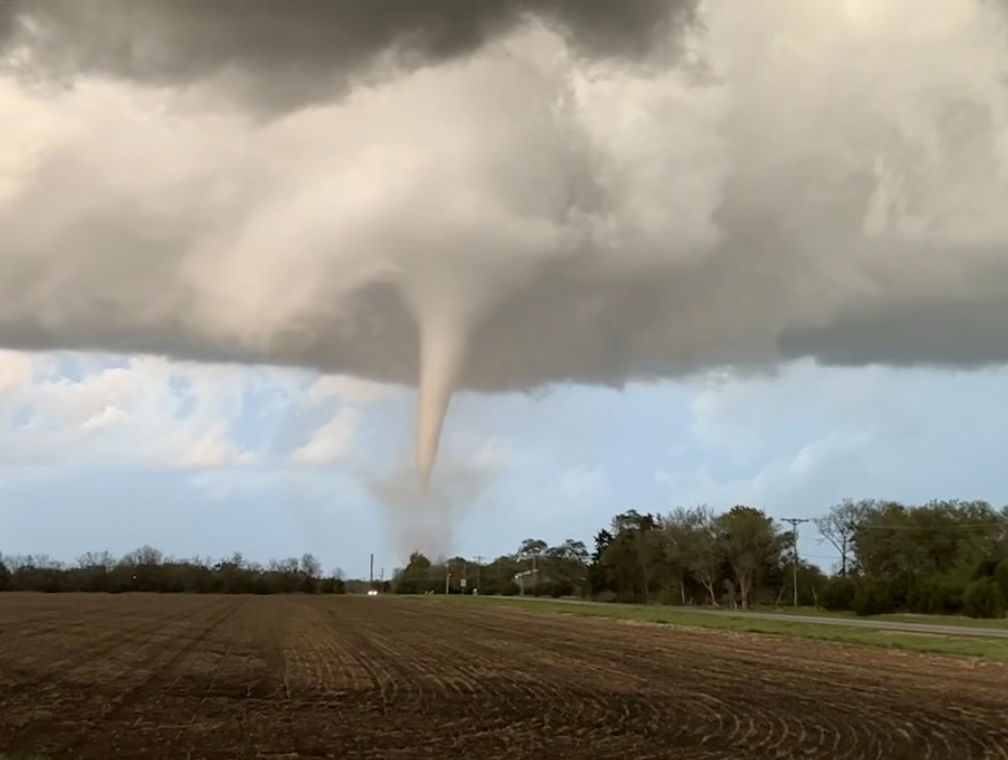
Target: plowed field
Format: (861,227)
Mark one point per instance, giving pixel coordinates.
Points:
(177,677)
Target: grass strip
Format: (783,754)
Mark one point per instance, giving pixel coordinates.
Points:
(930,643)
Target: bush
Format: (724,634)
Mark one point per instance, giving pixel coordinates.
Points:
(984,598)
(561,589)
(873,598)
(946,598)
(936,596)
(838,593)
(335,586)
(1001,578)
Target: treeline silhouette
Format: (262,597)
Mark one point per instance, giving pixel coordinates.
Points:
(146,569)
(941,557)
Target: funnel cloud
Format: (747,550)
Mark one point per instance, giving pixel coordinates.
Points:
(506,194)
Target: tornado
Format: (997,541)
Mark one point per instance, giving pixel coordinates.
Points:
(442,348)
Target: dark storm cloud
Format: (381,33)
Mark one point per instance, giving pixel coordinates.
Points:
(957,333)
(299,49)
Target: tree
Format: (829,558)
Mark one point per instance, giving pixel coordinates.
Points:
(749,539)
(414,578)
(675,526)
(598,574)
(566,567)
(532,548)
(143,567)
(4,576)
(839,526)
(706,555)
(91,560)
(631,557)
(145,556)
(498,576)
(332,585)
(311,569)
(703,552)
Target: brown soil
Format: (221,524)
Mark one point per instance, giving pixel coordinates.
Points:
(93,676)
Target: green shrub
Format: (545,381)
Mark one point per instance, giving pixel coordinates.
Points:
(838,593)
(873,597)
(946,598)
(936,596)
(984,598)
(1001,578)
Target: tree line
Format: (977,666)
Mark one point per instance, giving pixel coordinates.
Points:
(940,557)
(147,569)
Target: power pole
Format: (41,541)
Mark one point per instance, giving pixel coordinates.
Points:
(371,576)
(479,566)
(447,581)
(795,521)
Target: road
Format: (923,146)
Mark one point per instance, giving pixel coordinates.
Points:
(872,623)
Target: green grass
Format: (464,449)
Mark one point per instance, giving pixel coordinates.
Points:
(991,649)
(898,617)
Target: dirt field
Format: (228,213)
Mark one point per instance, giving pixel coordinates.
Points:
(177,677)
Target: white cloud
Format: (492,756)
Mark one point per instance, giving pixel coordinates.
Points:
(810,436)
(580,484)
(331,442)
(16,369)
(107,417)
(94,409)
(351,389)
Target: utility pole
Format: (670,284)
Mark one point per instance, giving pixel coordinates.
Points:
(447,581)
(479,566)
(795,521)
(371,575)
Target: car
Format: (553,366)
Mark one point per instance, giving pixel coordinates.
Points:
(372,592)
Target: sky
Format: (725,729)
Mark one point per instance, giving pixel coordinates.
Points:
(342,276)
(111,452)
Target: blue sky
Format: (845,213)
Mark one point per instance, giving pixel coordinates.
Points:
(111,452)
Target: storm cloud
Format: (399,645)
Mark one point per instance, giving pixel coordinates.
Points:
(501,198)
(281,54)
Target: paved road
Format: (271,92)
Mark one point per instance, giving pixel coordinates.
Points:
(871,623)
(889,625)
